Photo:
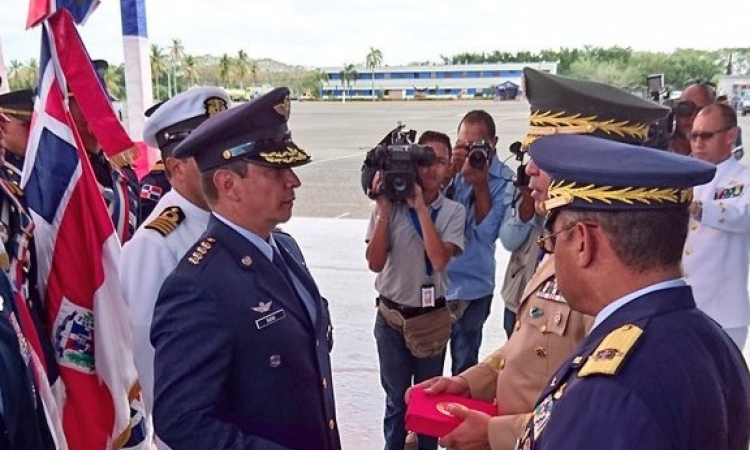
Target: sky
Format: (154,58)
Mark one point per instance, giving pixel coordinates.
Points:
(316,33)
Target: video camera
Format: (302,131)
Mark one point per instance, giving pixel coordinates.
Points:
(521,179)
(397,157)
(660,132)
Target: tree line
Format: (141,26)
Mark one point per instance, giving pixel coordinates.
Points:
(174,70)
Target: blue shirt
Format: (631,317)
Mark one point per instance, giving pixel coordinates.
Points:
(472,275)
(619,303)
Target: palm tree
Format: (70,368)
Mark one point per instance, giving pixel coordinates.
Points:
(348,78)
(190,71)
(113,80)
(254,71)
(374,59)
(242,66)
(158,67)
(225,69)
(14,74)
(176,54)
(32,77)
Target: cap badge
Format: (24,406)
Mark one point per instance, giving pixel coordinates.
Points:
(284,108)
(562,193)
(288,156)
(214,105)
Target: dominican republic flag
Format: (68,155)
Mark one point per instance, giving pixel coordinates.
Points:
(40,10)
(77,254)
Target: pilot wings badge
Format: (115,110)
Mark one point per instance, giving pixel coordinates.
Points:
(262,307)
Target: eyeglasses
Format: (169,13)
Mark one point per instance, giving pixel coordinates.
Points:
(548,242)
(706,135)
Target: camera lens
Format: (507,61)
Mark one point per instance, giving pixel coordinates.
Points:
(400,184)
(477,158)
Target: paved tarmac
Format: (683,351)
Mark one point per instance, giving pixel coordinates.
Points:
(330,222)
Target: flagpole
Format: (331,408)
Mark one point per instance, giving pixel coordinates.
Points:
(5,85)
(137,64)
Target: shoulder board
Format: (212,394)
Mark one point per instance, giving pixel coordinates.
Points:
(200,250)
(167,221)
(611,352)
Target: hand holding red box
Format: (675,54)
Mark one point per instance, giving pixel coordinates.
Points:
(427,414)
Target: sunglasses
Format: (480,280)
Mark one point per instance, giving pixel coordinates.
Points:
(706,135)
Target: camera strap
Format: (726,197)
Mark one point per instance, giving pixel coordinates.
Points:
(418,227)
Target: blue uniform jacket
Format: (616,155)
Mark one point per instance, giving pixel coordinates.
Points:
(239,364)
(683,385)
(23,425)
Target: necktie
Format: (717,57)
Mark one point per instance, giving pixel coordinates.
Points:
(280,264)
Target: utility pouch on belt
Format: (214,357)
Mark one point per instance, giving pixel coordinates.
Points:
(426,332)
(426,335)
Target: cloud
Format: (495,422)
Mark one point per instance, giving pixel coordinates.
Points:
(335,32)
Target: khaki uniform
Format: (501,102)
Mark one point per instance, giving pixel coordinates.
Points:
(514,376)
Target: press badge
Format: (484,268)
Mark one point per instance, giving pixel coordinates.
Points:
(428,296)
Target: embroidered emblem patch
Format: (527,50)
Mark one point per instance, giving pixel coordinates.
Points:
(214,105)
(73,337)
(262,307)
(549,291)
(541,415)
(151,192)
(733,191)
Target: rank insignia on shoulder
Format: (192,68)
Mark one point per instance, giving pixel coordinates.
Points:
(611,352)
(200,250)
(167,221)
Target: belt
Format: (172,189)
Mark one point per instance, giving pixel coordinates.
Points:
(410,311)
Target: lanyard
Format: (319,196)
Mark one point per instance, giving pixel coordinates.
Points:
(418,227)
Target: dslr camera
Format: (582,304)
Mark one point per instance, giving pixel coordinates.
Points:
(479,153)
(397,158)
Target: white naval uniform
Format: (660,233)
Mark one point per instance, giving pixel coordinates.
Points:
(145,262)
(717,252)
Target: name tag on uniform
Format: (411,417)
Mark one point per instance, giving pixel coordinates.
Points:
(270,319)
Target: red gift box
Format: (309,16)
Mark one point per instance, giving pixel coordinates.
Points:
(427,414)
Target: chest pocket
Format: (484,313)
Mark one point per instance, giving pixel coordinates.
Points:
(548,310)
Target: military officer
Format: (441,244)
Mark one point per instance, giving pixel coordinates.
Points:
(181,216)
(654,372)
(155,183)
(546,329)
(719,236)
(240,329)
(15,118)
(117,180)
(23,425)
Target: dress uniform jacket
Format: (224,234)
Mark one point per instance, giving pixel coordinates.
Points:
(146,260)
(547,331)
(23,425)
(717,252)
(239,363)
(656,374)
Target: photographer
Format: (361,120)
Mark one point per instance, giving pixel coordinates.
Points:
(409,245)
(483,185)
